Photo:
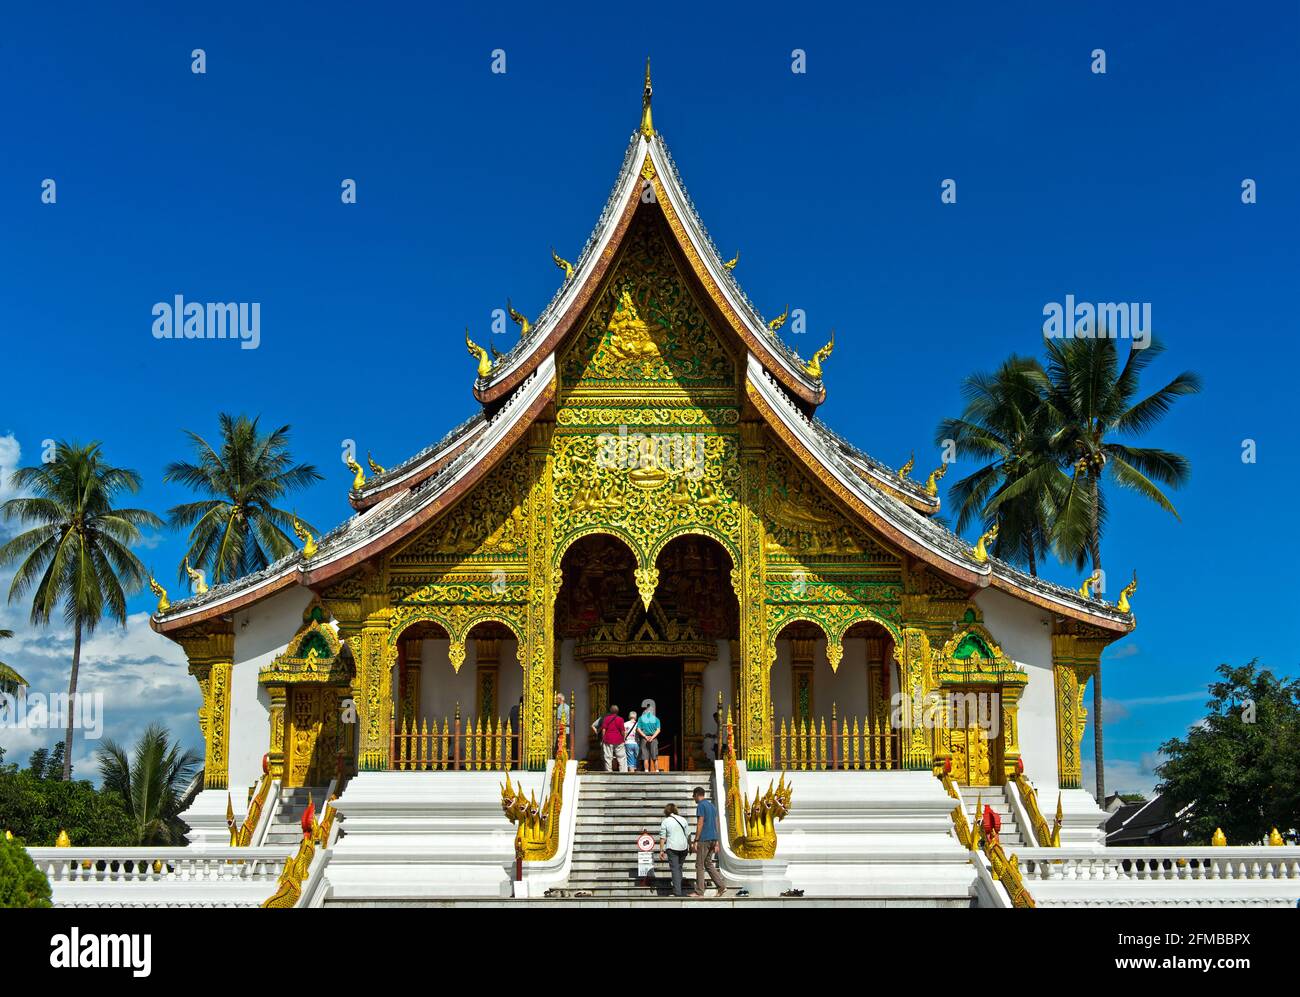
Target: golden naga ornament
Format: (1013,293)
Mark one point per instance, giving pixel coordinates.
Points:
(484,361)
(358,475)
(1089,584)
(309,547)
(647,125)
(779,321)
(563,264)
(932,482)
(906,470)
(814,366)
(525,327)
(161,593)
(376,468)
(731,263)
(1126,593)
(981,553)
(198,581)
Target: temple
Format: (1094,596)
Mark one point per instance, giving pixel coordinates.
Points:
(643,506)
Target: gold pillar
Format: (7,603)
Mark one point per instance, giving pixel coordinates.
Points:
(211,654)
(279,702)
(747,578)
(916,738)
(374,661)
(1076,655)
(487,675)
(597,704)
(1010,729)
(693,712)
(538,720)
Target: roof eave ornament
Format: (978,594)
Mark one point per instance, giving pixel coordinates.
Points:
(647,125)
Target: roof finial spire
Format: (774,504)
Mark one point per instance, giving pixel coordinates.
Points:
(647,126)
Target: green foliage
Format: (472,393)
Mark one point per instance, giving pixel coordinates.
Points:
(35,807)
(152,783)
(237,528)
(21,883)
(1236,774)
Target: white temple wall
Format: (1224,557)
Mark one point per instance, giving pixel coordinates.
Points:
(1025,634)
(845,689)
(262,631)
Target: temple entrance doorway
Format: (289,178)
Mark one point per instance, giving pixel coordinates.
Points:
(633,681)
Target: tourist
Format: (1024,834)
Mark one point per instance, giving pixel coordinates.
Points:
(673,845)
(561,712)
(612,735)
(648,729)
(629,741)
(707,844)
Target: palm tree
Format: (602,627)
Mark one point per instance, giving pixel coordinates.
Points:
(152,784)
(1004,422)
(1092,400)
(10,680)
(79,555)
(238,530)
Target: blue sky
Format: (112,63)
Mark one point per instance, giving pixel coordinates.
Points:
(225,186)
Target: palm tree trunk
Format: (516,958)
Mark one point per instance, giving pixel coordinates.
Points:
(1099,754)
(72,702)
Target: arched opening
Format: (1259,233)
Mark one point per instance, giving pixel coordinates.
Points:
(839,717)
(449,718)
(675,652)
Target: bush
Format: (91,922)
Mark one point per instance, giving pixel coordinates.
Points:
(21,883)
(36,809)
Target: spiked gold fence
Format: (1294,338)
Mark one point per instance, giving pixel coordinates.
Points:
(844,744)
(457,745)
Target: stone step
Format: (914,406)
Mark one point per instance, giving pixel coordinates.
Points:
(626,899)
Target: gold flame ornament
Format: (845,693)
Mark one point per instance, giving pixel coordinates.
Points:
(484,361)
(62,841)
(309,547)
(731,263)
(1126,593)
(1220,839)
(814,366)
(981,553)
(932,482)
(161,593)
(563,264)
(358,475)
(198,581)
(1273,838)
(779,321)
(906,470)
(376,468)
(1089,584)
(647,125)
(525,327)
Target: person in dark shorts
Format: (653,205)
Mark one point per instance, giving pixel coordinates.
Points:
(648,729)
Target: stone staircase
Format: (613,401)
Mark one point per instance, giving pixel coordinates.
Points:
(977,797)
(286,822)
(613,808)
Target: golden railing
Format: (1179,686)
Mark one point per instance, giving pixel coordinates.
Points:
(289,889)
(1003,869)
(455,746)
(242,836)
(1047,837)
(846,744)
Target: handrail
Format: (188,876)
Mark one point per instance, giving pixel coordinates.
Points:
(1005,870)
(753,825)
(288,891)
(242,836)
(1047,837)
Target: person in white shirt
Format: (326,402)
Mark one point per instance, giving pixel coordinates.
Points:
(674,843)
